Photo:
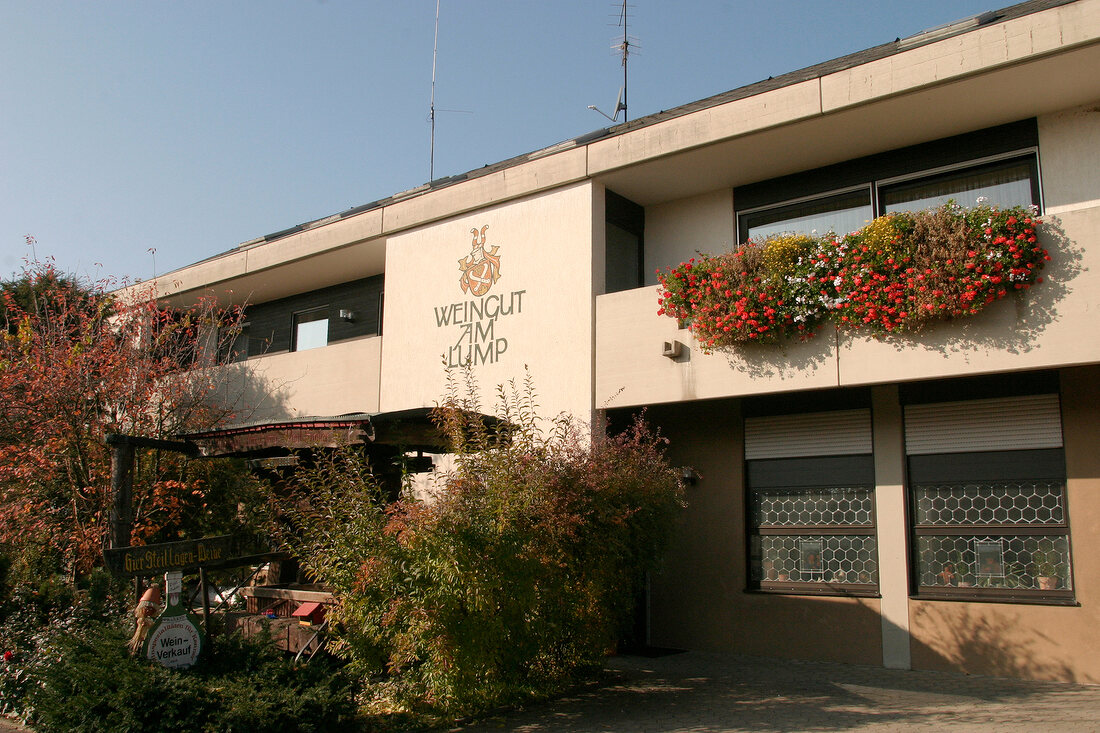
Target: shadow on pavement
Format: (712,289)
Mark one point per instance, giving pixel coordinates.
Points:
(705,693)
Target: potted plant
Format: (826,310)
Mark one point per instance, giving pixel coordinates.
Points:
(782,571)
(1048,569)
(953,571)
(1013,577)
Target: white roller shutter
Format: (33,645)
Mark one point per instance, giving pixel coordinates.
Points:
(1001,423)
(835,433)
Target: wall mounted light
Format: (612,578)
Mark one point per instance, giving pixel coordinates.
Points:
(672,349)
(346,315)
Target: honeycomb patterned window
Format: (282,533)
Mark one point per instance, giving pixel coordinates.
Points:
(999,539)
(813,539)
(836,560)
(1009,502)
(995,562)
(800,507)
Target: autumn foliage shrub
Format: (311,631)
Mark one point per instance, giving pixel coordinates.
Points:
(78,362)
(512,579)
(899,273)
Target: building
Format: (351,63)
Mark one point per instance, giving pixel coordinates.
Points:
(876,501)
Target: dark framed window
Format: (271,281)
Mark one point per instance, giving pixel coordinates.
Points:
(310,329)
(1012,182)
(999,165)
(273,324)
(381,310)
(841,213)
(811,518)
(987,500)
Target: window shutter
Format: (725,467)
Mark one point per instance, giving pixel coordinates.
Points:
(998,424)
(835,433)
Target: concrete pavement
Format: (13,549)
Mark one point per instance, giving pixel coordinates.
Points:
(709,693)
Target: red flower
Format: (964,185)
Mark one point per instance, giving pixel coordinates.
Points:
(7,656)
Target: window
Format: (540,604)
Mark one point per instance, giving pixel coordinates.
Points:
(1007,183)
(811,510)
(310,329)
(381,311)
(841,213)
(987,494)
(999,165)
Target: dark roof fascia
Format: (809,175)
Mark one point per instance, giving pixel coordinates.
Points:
(350,420)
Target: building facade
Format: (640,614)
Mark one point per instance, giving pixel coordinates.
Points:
(928,501)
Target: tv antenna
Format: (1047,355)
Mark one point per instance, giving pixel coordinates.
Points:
(623,46)
(431,108)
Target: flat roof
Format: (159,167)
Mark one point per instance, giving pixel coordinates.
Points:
(898,45)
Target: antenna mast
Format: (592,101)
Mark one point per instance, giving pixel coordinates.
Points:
(624,48)
(431,108)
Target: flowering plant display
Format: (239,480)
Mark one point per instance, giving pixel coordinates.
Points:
(743,296)
(897,274)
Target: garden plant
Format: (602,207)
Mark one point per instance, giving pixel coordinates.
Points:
(512,579)
(900,273)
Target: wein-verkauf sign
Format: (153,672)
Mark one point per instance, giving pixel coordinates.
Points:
(157,559)
(175,641)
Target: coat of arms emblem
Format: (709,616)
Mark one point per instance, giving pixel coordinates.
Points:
(481,268)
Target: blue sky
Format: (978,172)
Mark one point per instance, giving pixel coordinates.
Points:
(189,127)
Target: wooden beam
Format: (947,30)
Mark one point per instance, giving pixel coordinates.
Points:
(122,484)
(178,446)
(287,594)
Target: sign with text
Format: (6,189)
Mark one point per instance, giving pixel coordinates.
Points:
(175,640)
(476,340)
(157,559)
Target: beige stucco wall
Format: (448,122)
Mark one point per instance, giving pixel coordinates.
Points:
(1052,325)
(1070,158)
(676,231)
(630,368)
(545,285)
(333,380)
(698,599)
(1035,641)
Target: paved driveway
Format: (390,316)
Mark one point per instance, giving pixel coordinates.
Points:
(706,693)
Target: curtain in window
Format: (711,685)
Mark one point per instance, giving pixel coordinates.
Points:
(1002,186)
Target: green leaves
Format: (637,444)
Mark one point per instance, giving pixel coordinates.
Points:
(514,578)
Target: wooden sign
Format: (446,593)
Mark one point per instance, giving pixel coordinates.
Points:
(156,559)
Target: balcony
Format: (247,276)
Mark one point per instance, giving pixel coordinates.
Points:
(631,368)
(1050,326)
(332,380)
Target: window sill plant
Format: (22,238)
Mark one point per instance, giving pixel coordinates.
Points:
(898,274)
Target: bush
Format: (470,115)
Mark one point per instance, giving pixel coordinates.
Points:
(514,579)
(31,621)
(240,685)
